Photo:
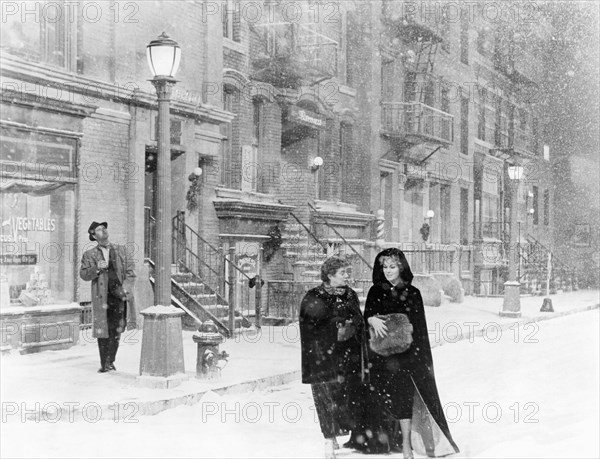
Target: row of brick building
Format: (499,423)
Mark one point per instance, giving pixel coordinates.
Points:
(308,119)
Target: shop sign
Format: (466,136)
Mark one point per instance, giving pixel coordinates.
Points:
(39,154)
(18,259)
(306,117)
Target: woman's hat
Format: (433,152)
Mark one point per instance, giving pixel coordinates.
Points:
(93,227)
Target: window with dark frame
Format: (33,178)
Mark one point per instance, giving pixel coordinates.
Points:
(229,98)
(464,39)
(230,16)
(481,126)
(464,125)
(546,207)
(346,134)
(445,102)
(535,205)
(464,216)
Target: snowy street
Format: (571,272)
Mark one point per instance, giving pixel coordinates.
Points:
(527,392)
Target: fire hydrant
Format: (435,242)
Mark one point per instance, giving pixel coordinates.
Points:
(209,361)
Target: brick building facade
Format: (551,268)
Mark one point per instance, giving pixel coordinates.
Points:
(411,108)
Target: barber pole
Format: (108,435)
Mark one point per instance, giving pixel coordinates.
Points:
(380,215)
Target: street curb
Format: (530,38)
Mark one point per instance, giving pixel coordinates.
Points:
(510,324)
(128,411)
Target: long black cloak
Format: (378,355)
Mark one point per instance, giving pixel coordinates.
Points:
(325,358)
(430,432)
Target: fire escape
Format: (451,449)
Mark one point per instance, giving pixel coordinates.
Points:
(291,55)
(414,127)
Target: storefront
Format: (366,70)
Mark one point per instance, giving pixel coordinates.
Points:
(37,237)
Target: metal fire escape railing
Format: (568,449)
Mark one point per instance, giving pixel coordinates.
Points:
(289,51)
(417,119)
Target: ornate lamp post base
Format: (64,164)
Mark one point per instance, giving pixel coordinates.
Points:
(161,364)
(512,300)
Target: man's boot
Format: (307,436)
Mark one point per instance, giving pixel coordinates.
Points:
(113,346)
(103,350)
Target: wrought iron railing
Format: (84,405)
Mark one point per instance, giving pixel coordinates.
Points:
(417,119)
(296,47)
(149,234)
(215,269)
(85,316)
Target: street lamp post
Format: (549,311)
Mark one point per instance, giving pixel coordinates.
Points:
(164,56)
(161,363)
(511,306)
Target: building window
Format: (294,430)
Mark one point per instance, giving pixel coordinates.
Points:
(464,216)
(546,207)
(511,125)
(445,214)
(481,126)
(464,39)
(445,100)
(47,33)
(251,153)
(410,86)
(230,99)
(387,81)
(535,205)
(351,42)
(485,46)
(502,124)
(445,31)
(231,20)
(346,155)
(464,125)
(429,93)
(534,134)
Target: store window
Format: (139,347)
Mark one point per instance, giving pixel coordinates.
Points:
(37,205)
(38,242)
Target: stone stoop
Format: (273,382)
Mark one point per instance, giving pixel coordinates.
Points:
(201,300)
(304,259)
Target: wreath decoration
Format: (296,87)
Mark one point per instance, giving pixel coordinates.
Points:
(271,245)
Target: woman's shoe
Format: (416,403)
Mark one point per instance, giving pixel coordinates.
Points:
(407,452)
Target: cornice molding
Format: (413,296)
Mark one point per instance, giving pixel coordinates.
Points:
(87,88)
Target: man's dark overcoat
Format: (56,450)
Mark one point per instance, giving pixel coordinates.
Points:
(89,272)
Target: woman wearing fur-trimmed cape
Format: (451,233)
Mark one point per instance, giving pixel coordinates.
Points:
(404,397)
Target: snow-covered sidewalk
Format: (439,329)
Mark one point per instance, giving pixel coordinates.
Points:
(522,395)
(66,382)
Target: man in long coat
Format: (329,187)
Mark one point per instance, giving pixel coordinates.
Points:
(110,269)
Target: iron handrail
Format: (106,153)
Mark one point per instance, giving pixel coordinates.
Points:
(217,251)
(339,235)
(306,229)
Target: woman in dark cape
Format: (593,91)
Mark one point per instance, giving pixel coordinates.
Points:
(334,351)
(403,396)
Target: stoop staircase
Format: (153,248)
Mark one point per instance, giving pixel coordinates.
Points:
(304,254)
(199,282)
(534,270)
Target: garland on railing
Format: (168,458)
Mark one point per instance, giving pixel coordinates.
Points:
(271,245)
(193,192)
(424,231)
